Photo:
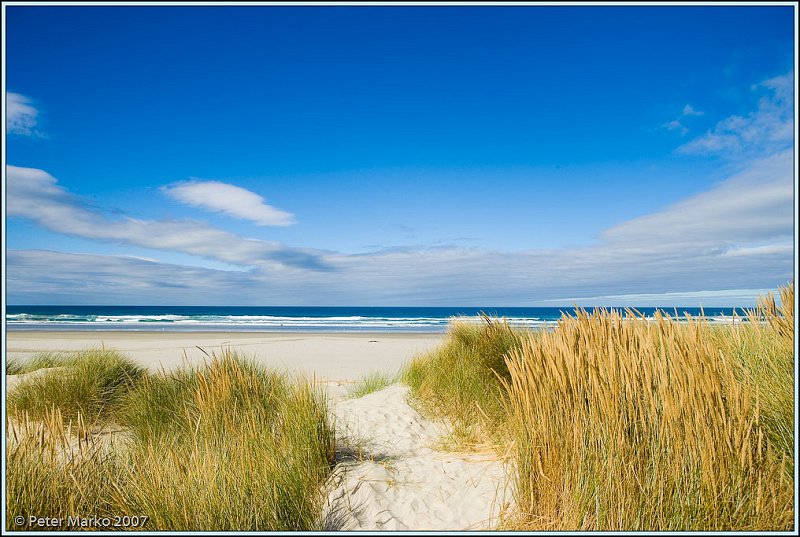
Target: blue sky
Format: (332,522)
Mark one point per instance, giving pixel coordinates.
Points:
(399,155)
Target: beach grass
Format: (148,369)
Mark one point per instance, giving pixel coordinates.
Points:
(43,360)
(370,383)
(763,351)
(232,446)
(617,422)
(51,472)
(627,424)
(460,380)
(90,384)
(225,446)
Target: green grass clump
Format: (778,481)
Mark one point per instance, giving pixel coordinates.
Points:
(460,380)
(230,446)
(763,349)
(49,474)
(90,384)
(227,446)
(19,366)
(216,395)
(370,383)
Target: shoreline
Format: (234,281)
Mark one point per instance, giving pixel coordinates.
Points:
(299,332)
(327,356)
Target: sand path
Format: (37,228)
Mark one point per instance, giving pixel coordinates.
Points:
(391,477)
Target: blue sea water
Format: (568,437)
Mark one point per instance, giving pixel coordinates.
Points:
(287,319)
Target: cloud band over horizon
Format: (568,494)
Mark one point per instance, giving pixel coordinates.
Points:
(737,235)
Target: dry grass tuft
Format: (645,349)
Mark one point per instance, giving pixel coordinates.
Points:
(617,422)
(621,423)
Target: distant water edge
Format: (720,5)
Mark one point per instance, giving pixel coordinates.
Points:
(290,318)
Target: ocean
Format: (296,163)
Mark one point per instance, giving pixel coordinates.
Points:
(289,318)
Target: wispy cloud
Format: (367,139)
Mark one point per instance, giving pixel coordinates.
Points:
(767,129)
(785,247)
(108,279)
(755,204)
(688,110)
(726,297)
(677,124)
(36,195)
(21,115)
(230,200)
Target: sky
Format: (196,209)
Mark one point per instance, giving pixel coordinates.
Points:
(398,155)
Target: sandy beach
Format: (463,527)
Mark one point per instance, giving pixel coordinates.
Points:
(331,357)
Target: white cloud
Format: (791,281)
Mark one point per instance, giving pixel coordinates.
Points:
(676,124)
(689,111)
(21,115)
(35,194)
(767,129)
(765,249)
(230,200)
(723,298)
(756,204)
(108,279)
